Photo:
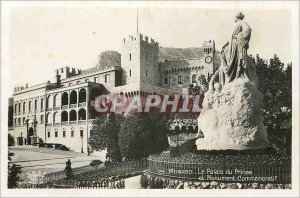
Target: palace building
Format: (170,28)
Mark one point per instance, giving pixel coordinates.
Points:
(62,110)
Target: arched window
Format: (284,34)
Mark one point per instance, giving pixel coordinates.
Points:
(35,105)
(19,107)
(29,106)
(179,80)
(82,114)
(64,99)
(73,116)
(73,97)
(42,103)
(24,106)
(64,116)
(82,96)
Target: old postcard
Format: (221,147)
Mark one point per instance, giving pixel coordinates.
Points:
(181,99)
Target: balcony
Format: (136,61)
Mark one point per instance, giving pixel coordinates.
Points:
(81,121)
(56,108)
(73,122)
(56,124)
(48,124)
(82,104)
(49,109)
(64,123)
(64,107)
(73,105)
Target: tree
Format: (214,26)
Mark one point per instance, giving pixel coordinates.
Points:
(105,135)
(275,84)
(143,134)
(14,171)
(199,88)
(11,141)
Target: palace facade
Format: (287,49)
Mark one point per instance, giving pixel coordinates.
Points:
(62,110)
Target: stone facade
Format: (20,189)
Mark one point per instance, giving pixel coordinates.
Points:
(63,107)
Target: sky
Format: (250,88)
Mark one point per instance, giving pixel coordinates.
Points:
(44,39)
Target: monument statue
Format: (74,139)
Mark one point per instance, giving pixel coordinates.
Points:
(231,115)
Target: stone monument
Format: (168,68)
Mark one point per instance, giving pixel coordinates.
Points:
(231,118)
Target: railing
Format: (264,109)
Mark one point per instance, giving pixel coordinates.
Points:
(73,122)
(64,107)
(103,183)
(48,124)
(83,104)
(94,173)
(73,105)
(49,109)
(56,108)
(56,124)
(35,111)
(82,121)
(247,172)
(64,123)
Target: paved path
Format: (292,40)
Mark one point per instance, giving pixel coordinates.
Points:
(48,160)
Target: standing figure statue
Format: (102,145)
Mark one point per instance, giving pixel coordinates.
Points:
(231,117)
(234,60)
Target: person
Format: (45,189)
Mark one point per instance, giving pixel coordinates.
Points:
(234,59)
(68,169)
(88,151)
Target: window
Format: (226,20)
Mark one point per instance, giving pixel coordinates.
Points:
(35,105)
(72,133)
(42,119)
(166,80)
(15,121)
(130,57)
(19,121)
(48,134)
(23,120)
(81,133)
(194,79)
(146,72)
(179,80)
(56,134)
(29,106)
(62,70)
(24,106)
(96,79)
(16,108)
(146,57)
(42,103)
(19,107)
(64,133)
(107,78)
(130,72)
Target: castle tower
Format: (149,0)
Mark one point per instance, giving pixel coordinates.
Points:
(209,52)
(139,60)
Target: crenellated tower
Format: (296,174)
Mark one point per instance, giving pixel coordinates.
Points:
(139,60)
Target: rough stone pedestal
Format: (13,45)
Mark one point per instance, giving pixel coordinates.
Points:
(231,118)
